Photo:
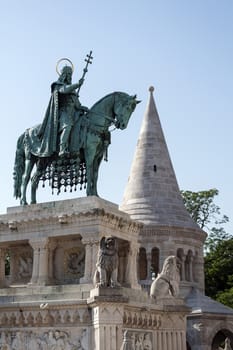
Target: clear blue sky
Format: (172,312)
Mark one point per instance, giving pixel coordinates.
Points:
(183,48)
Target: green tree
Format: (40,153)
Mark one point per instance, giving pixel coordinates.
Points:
(218,247)
(226,297)
(219,272)
(207,215)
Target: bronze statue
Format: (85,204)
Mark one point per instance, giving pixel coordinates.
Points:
(63,109)
(68,147)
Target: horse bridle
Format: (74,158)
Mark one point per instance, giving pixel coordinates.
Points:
(114,121)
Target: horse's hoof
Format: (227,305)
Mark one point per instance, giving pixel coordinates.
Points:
(33,202)
(23,202)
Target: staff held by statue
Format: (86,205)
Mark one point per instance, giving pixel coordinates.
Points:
(88,60)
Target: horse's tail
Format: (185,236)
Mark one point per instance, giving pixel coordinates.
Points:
(19,166)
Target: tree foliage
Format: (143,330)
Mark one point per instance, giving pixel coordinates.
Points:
(207,215)
(201,206)
(226,297)
(219,272)
(218,246)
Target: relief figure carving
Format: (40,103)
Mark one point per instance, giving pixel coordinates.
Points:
(24,267)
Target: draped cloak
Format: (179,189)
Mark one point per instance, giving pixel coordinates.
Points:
(43,139)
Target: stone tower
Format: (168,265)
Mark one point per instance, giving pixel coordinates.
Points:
(152,196)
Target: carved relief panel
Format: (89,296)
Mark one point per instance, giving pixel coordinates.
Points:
(138,340)
(69,261)
(21,263)
(44,339)
(74,260)
(45,329)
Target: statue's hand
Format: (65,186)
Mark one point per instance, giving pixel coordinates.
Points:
(81,81)
(76,86)
(84,108)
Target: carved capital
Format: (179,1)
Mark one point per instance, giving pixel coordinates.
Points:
(90,241)
(39,243)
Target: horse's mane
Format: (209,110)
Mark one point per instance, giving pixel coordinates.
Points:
(122,94)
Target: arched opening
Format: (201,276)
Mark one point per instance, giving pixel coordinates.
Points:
(142,264)
(189,266)
(223,339)
(181,257)
(154,262)
(7,263)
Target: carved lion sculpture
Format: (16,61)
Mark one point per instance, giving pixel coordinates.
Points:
(167,282)
(107,263)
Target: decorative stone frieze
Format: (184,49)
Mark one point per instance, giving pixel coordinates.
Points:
(45,315)
(47,338)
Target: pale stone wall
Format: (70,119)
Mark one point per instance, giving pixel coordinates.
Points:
(186,244)
(50,301)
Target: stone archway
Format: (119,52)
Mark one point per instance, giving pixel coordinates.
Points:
(155,261)
(142,264)
(219,338)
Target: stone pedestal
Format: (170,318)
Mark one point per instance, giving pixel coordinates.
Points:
(52,302)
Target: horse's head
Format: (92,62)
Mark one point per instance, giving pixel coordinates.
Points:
(123,108)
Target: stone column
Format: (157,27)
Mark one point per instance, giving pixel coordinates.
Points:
(179,343)
(159,340)
(91,248)
(199,270)
(40,261)
(169,340)
(183,268)
(35,267)
(190,267)
(131,274)
(95,249)
(52,246)
(43,262)
(174,341)
(164,341)
(183,340)
(2,268)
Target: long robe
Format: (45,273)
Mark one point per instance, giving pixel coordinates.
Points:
(48,131)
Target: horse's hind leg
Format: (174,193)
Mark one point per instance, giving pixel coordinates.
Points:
(90,178)
(29,163)
(35,180)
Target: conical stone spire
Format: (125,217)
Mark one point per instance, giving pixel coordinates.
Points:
(152,194)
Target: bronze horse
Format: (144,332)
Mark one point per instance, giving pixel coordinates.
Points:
(89,140)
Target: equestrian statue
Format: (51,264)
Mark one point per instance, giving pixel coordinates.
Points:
(69,145)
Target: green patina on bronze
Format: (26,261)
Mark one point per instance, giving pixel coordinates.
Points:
(69,145)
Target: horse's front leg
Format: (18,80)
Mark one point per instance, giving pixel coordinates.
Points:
(89,190)
(89,160)
(96,165)
(29,163)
